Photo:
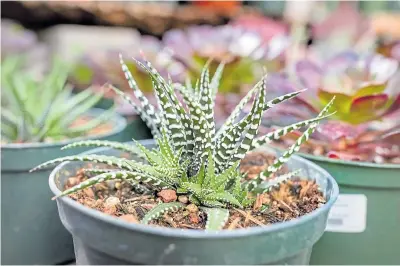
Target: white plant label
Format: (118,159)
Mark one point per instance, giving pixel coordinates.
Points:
(348,214)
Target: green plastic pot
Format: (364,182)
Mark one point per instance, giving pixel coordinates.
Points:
(364,224)
(31,231)
(102,239)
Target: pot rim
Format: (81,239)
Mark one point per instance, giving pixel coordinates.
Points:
(119,124)
(195,234)
(325,159)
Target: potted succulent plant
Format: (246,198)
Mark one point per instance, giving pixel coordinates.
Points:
(190,179)
(38,116)
(359,146)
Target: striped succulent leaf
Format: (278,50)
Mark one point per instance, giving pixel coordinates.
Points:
(105,143)
(215,81)
(121,163)
(147,107)
(216,218)
(279,162)
(254,124)
(258,185)
(228,142)
(202,138)
(226,176)
(169,107)
(205,100)
(170,117)
(153,124)
(236,112)
(97,171)
(277,134)
(270,104)
(161,208)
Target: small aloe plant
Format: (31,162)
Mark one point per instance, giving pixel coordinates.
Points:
(191,157)
(37,109)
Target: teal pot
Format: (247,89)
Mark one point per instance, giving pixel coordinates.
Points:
(103,239)
(364,224)
(31,230)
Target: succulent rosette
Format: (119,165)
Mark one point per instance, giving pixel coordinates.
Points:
(244,49)
(367,91)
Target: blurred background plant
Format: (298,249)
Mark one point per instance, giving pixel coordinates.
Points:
(327,46)
(43,108)
(367,89)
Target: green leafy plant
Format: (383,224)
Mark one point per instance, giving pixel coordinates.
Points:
(191,157)
(37,109)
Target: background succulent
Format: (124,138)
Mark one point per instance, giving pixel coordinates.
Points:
(245,50)
(42,108)
(366,88)
(191,156)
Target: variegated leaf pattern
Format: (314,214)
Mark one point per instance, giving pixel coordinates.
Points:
(277,134)
(229,140)
(121,163)
(270,104)
(105,143)
(206,100)
(153,125)
(236,112)
(254,124)
(147,107)
(259,185)
(161,209)
(279,162)
(216,218)
(214,85)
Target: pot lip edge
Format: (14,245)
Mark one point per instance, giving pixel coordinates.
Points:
(118,120)
(201,234)
(349,163)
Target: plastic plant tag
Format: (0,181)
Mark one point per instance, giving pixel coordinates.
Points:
(348,214)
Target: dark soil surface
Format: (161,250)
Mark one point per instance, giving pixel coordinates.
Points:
(291,200)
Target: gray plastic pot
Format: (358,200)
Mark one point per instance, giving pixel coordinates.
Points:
(31,230)
(103,239)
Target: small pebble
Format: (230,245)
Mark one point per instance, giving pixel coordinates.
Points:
(183,199)
(192,208)
(194,218)
(112,201)
(167,195)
